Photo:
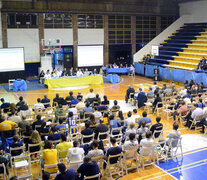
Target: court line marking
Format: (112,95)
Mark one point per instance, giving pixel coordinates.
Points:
(167,173)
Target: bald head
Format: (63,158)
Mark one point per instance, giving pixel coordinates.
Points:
(24,117)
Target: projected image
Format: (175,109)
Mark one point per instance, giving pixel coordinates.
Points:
(11,59)
(90,55)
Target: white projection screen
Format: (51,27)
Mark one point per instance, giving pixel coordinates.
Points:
(11,59)
(90,55)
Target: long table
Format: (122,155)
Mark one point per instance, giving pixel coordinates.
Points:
(117,70)
(74,81)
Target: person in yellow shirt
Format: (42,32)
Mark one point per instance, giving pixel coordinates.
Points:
(6,125)
(63,146)
(49,156)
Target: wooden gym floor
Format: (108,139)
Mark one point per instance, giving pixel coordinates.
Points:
(115,91)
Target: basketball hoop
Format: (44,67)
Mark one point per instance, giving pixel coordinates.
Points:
(50,45)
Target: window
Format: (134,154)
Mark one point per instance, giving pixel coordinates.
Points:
(145,28)
(119,29)
(20,20)
(57,20)
(166,21)
(90,21)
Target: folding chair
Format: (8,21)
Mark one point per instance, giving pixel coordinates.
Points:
(158,134)
(88,138)
(5,176)
(22,164)
(99,160)
(63,159)
(115,168)
(172,147)
(75,132)
(159,108)
(105,137)
(97,176)
(131,156)
(52,168)
(27,177)
(195,121)
(160,152)
(20,149)
(117,136)
(169,109)
(38,153)
(182,116)
(144,153)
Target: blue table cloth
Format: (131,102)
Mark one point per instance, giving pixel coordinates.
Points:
(113,78)
(117,70)
(19,85)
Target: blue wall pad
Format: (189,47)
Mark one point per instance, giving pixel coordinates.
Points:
(178,75)
(149,71)
(165,73)
(139,68)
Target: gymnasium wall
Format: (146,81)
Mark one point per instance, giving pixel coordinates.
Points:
(196,9)
(90,36)
(0,32)
(65,35)
(27,38)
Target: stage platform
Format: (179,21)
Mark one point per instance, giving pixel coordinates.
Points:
(74,81)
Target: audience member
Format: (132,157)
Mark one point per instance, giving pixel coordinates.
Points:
(87,131)
(14,117)
(95,152)
(76,154)
(131,144)
(64,173)
(63,146)
(38,122)
(22,124)
(49,156)
(156,127)
(45,100)
(6,125)
(39,105)
(101,128)
(129,91)
(113,123)
(5,105)
(144,118)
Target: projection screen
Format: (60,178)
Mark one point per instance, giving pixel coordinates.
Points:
(90,55)
(11,59)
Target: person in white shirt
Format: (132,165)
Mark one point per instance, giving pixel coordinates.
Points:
(196,113)
(135,115)
(79,73)
(183,92)
(59,72)
(47,75)
(129,120)
(97,113)
(90,95)
(39,105)
(14,117)
(147,144)
(76,155)
(54,74)
(154,86)
(131,144)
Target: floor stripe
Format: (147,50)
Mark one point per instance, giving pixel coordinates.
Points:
(165,172)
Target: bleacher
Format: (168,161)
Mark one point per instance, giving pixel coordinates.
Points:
(184,48)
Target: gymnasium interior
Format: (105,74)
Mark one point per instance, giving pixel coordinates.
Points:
(103,89)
